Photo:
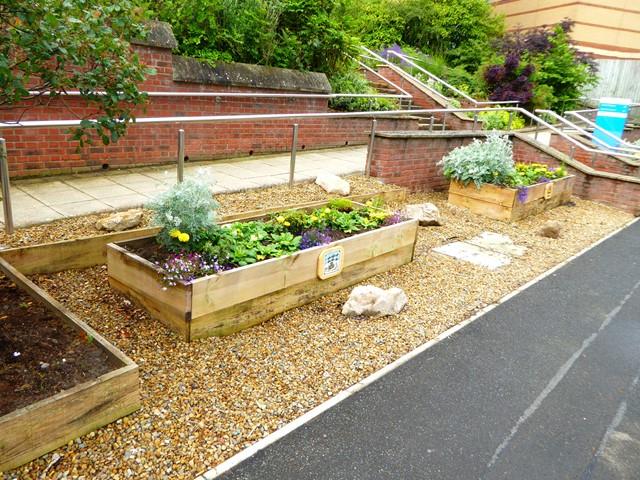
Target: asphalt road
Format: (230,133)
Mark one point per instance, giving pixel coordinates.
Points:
(545,386)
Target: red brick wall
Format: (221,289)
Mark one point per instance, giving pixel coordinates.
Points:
(421,99)
(598,161)
(38,151)
(632,135)
(412,163)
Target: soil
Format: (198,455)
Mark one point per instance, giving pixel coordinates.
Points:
(40,355)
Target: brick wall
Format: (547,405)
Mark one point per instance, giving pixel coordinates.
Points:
(410,160)
(422,99)
(39,151)
(598,161)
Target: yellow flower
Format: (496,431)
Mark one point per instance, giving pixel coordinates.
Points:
(260,257)
(313,218)
(287,224)
(280,219)
(369,203)
(183,237)
(327,210)
(174,233)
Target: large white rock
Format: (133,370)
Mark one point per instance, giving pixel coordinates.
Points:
(333,184)
(427,214)
(120,221)
(371,300)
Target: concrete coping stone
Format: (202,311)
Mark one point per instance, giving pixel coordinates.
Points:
(191,70)
(160,36)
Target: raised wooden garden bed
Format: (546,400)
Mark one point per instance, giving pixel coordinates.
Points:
(510,204)
(236,299)
(37,427)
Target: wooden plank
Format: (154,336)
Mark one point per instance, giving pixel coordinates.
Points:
(68,254)
(62,312)
(91,251)
(481,207)
(257,310)
(36,429)
(138,279)
(487,193)
(560,196)
(32,431)
(242,284)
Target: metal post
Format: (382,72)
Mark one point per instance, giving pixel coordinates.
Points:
(431,123)
(572,151)
(444,120)
(294,147)
(6,194)
(367,168)
(180,155)
(535,135)
(510,120)
(475,121)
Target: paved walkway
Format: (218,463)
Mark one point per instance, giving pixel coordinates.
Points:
(46,199)
(545,386)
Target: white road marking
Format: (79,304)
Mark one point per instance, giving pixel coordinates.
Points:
(560,374)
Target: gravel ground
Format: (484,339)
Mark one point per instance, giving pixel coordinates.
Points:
(237,202)
(207,400)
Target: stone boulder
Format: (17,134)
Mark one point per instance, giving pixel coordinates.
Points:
(427,214)
(551,229)
(333,184)
(120,221)
(374,301)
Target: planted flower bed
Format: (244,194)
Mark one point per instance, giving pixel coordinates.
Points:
(59,379)
(203,279)
(485,180)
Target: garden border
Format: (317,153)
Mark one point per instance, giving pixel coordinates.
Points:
(91,251)
(31,431)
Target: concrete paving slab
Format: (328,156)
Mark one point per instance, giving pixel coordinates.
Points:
(85,207)
(114,190)
(498,243)
(84,183)
(56,193)
(135,200)
(474,254)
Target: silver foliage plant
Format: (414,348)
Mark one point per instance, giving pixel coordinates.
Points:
(489,161)
(187,206)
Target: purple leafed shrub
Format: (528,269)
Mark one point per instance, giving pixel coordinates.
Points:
(510,81)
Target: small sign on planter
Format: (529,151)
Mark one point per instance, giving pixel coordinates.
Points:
(330,262)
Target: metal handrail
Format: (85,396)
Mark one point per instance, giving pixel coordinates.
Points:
(582,131)
(244,94)
(595,126)
(286,116)
(464,95)
(383,78)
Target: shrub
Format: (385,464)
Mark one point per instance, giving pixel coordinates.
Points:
(186,208)
(354,82)
(499,120)
(480,162)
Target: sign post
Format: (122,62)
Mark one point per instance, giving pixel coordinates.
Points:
(612,117)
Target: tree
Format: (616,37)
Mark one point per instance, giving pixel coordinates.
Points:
(49,47)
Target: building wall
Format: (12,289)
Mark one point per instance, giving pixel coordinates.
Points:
(605,28)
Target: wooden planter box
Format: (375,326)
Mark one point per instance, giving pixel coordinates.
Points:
(503,203)
(230,301)
(34,430)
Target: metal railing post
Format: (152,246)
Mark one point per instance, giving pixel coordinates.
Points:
(444,120)
(294,148)
(6,193)
(572,151)
(510,120)
(475,121)
(367,168)
(535,135)
(180,155)
(431,123)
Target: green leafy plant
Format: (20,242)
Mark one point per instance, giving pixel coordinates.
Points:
(48,47)
(499,120)
(185,212)
(527,174)
(489,161)
(354,82)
